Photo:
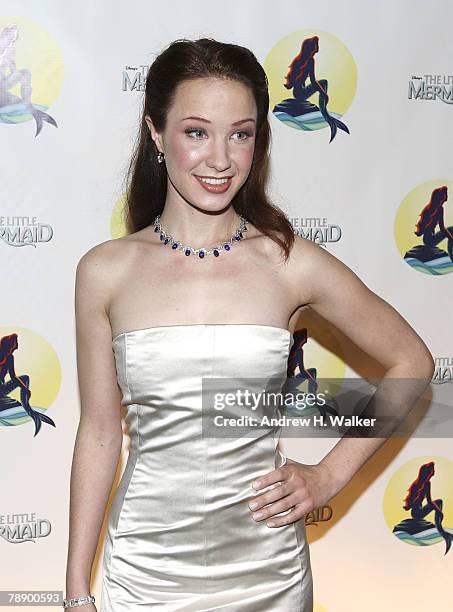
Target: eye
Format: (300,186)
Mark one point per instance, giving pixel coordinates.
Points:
(190,130)
(247,134)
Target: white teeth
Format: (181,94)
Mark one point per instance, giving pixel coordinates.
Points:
(213,181)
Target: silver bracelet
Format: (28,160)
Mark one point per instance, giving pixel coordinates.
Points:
(75,602)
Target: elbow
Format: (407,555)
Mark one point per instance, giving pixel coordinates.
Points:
(418,363)
(431,364)
(426,363)
(424,367)
(425,371)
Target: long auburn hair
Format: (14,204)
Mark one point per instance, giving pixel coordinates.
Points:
(430,213)
(417,488)
(146,179)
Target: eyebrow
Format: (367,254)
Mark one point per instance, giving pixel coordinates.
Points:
(207,121)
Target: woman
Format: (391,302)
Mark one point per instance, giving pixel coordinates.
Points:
(183,533)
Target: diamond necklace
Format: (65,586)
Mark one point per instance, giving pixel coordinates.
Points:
(202,251)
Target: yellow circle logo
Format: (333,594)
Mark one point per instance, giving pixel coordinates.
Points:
(31,72)
(312,81)
(418,502)
(30,378)
(424,228)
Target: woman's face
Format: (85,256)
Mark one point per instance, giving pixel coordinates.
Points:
(210,133)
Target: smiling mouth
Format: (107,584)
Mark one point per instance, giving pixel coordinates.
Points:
(215,179)
(215,185)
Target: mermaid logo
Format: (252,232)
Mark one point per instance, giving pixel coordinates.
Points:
(419,501)
(31,72)
(323,61)
(42,377)
(423,214)
(302,379)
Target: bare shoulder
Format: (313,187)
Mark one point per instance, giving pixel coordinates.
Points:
(303,265)
(304,257)
(100,268)
(312,266)
(104,255)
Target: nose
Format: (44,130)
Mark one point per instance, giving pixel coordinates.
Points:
(219,155)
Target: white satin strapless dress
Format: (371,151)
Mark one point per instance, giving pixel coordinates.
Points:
(180,535)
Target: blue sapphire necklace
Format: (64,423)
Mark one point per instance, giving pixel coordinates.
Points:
(202,251)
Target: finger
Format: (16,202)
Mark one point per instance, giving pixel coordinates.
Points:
(280,521)
(282,505)
(278,491)
(270,478)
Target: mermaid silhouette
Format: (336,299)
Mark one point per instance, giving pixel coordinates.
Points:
(433,215)
(303,66)
(8,37)
(417,492)
(296,359)
(8,344)
(428,257)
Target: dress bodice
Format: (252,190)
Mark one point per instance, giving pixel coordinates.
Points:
(164,368)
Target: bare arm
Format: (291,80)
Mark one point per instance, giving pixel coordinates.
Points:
(99,436)
(338,295)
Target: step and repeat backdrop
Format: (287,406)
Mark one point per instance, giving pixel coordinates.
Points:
(361,164)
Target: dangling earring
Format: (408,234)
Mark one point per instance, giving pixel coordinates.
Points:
(160,157)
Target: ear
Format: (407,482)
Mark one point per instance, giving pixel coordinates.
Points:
(154,135)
